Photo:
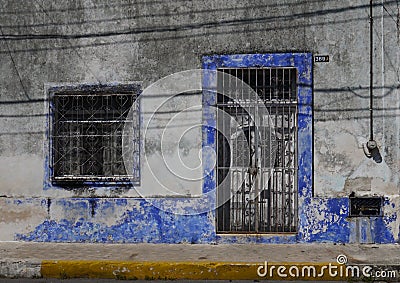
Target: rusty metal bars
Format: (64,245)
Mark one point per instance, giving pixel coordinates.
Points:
(262,197)
(86,137)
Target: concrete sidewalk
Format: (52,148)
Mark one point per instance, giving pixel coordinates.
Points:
(195,262)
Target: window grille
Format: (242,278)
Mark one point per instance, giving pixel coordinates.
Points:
(263,193)
(365,206)
(86,136)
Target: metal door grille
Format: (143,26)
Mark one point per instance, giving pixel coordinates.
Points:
(262,185)
(87,131)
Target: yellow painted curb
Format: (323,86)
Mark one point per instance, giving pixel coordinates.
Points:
(201,270)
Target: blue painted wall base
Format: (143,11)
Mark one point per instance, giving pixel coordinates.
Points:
(136,221)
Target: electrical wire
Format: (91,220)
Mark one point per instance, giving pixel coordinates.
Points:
(395,20)
(15,66)
(70,43)
(371,73)
(211,24)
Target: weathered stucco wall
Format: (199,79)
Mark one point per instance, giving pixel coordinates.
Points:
(105,41)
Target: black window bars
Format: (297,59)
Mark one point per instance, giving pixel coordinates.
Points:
(86,136)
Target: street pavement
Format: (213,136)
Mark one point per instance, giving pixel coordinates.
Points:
(137,281)
(187,262)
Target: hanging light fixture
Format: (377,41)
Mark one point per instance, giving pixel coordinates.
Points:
(372,146)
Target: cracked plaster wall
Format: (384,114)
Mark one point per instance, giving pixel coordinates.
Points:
(171,37)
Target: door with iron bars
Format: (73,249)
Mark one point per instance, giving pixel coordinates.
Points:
(257,154)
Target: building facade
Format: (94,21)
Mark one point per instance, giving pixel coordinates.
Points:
(199,122)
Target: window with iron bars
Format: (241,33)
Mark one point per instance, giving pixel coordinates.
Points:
(262,187)
(87,126)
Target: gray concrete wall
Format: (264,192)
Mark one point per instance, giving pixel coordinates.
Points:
(105,41)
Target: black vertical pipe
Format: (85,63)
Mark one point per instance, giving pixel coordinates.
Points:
(371,75)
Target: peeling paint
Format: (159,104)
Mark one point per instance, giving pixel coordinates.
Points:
(324,220)
(134,220)
(321,220)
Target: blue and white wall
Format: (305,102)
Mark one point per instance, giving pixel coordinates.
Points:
(99,42)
